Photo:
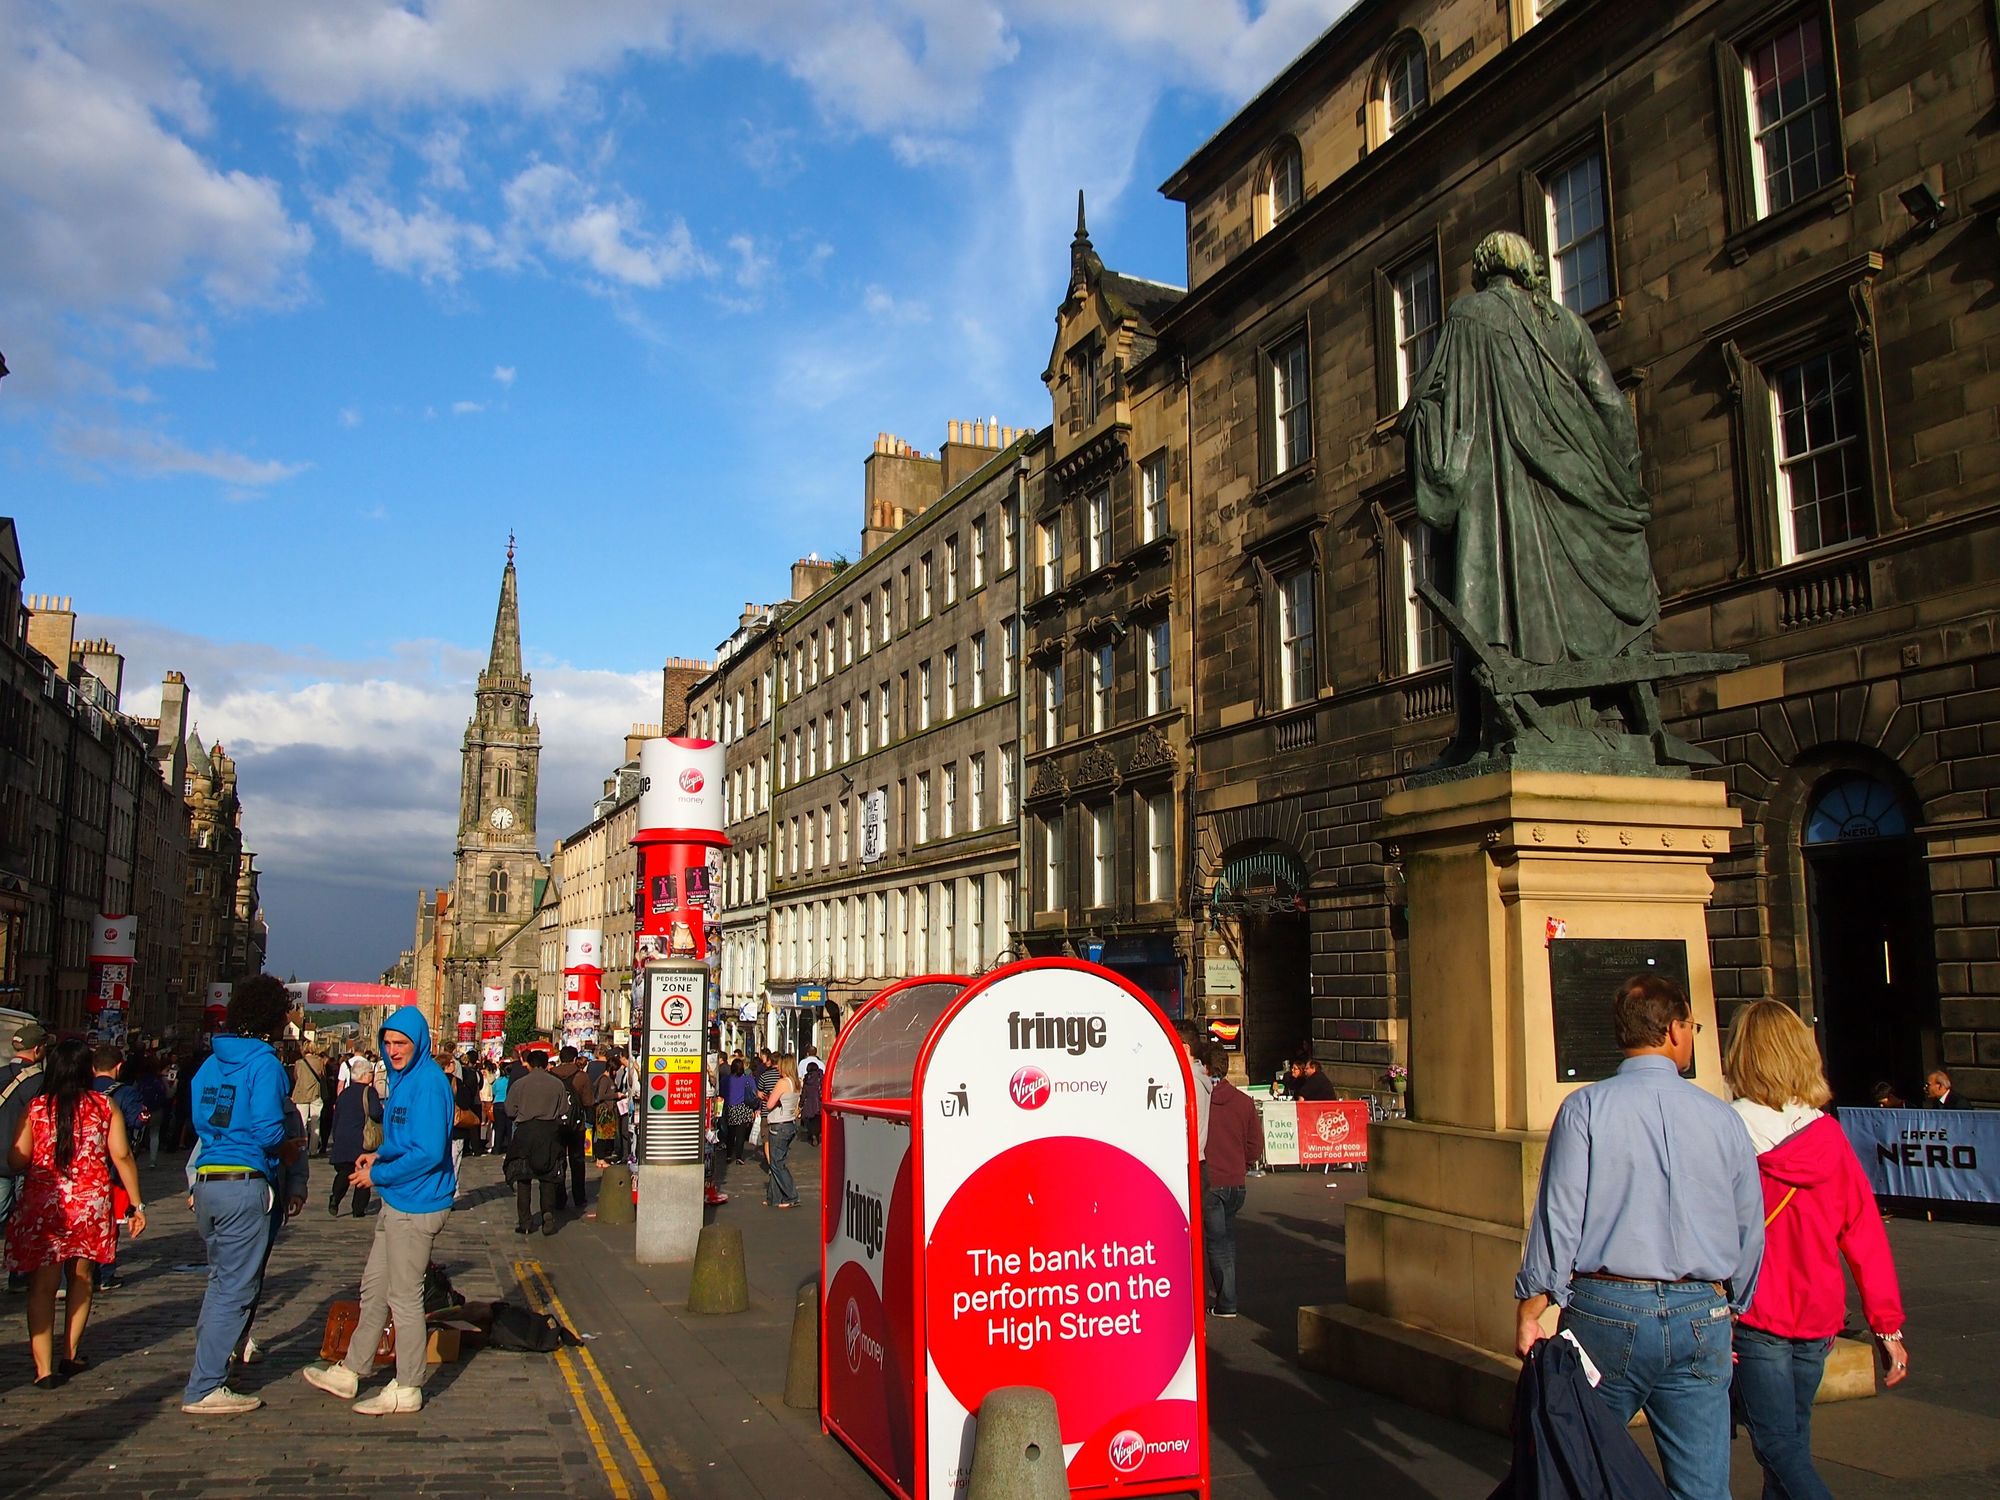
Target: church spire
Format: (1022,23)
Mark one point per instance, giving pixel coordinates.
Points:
(505,660)
(1084,266)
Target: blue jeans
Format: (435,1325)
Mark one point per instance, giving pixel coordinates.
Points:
(234,1219)
(1219,1208)
(1663,1347)
(781,1188)
(1776,1380)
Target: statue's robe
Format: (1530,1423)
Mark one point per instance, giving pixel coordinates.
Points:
(1523,450)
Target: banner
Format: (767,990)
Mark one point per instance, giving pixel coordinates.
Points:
(1281,1131)
(339,993)
(1333,1132)
(1949,1155)
(680,786)
(874,826)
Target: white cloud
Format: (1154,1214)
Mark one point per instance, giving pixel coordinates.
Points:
(350,416)
(427,241)
(553,209)
(504,374)
(152,455)
(467,408)
(879,303)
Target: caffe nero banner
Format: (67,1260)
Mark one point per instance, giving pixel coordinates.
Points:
(1952,1155)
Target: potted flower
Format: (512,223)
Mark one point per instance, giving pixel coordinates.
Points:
(1398,1078)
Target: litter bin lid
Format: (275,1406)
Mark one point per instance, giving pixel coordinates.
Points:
(877,1060)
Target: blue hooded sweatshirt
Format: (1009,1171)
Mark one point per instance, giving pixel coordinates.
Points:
(238,1100)
(413,1171)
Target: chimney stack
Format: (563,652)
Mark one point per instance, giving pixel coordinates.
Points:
(52,628)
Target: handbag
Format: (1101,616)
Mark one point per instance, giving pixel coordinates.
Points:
(371,1130)
(464,1119)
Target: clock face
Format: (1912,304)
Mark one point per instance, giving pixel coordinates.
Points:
(503,817)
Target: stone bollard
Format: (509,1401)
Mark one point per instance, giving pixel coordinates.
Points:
(1017,1447)
(719,1284)
(614,1195)
(802,1369)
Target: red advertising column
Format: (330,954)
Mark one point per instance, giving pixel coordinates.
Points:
(680,820)
(492,1019)
(113,944)
(216,1012)
(468,1022)
(583,985)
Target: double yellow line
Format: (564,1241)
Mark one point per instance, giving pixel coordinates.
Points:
(576,1363)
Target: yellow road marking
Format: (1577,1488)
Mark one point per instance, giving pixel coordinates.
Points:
(654,1485)
(605,1460)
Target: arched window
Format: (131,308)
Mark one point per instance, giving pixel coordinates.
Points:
(496,894)
(1405,84)
(503,780)
(1282,187)
(1855,805)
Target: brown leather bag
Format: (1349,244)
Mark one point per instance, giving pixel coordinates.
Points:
(340,1321)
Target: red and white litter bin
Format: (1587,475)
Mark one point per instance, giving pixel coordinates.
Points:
(1012,1197)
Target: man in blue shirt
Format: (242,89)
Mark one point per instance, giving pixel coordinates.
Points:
(1648,1231)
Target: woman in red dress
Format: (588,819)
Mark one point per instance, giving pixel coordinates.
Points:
(68,1140)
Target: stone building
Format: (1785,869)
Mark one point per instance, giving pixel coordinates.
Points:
(496,884)
(1776,218)
(1105,623)
(595,873)
(734,703)
(896,738)
(214,861)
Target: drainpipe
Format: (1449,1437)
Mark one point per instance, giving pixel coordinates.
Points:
(1194,700)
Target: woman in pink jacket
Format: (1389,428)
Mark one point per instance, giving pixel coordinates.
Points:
(1818,1211)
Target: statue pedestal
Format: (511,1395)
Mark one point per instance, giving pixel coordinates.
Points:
(1489,863)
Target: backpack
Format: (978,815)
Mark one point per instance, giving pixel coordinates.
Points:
(523,1332)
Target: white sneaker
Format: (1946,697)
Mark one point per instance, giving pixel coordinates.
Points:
(221,1402)
(252,1352)
(334,1379)
(392,1400)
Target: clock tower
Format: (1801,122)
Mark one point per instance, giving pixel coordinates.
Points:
(499,866)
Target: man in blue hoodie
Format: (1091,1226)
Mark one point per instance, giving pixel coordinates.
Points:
(412,1174)
(239,1101)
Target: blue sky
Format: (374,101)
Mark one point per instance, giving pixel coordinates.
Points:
(309,305)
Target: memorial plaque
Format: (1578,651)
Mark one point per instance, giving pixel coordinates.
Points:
(1584,975)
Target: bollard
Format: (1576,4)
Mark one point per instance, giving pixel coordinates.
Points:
(1017,1447)
(614,1195)
(802,1370)
(719,1284)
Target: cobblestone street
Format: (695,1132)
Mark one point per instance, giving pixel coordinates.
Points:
(658,1402)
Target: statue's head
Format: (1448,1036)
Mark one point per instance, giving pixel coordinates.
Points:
(1504,253)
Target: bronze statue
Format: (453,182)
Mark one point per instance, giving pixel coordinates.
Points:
(1525,459)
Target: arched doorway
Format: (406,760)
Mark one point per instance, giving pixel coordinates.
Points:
(1262,887)
(1874,958)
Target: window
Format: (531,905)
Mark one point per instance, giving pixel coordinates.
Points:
(1103,683)
(1291,404)
(861,720)
(923,695)
(1098,508)
(1160,847)
(812,841)
(1578,238)
(1153,497)
(830,660)
(978,578)
(798,754)
(1417,316)
(1283,187)
(1003,811)
(907,617)
(846,732)
(826,835)
(1823,464)
(1052,860)
(1405,85)
(503,781)
(975,922)
(1010,521)
(888,610)
(1425,643)
(1052,702)
(812,751)
(826,736)
(950,681)
(1010,650)
(844,827)
(1794,150)
(1296,655)
(924,587)
(951,570)
(975,812)
(978,668)
(867,626)
(1159,666)
(1083,384)
(1050,534)
(847,637)
(1100,855)
(923,806)
(950,774)
(496,893)
(882,715)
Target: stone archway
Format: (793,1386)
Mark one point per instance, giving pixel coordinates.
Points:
(1256,903)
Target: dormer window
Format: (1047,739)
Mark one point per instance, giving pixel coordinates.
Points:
(1283,185)
(1405,85)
